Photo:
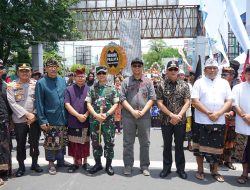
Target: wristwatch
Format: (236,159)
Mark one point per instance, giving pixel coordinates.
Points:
(107,114)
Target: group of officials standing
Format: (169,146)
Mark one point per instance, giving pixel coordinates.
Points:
(71,116)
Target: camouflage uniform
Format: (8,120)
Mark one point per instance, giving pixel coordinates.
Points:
(104,96)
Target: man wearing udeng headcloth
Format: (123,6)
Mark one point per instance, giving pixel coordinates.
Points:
(51,114)
(211,97)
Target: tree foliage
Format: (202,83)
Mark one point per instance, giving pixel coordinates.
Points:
(158,50)
(25,22)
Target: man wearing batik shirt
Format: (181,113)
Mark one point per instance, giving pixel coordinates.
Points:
(242,125)
(173,99)
(78,122)
(211,97)
(51,114)
(102,100)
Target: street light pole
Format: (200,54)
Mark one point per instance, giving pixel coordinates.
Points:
(64,59)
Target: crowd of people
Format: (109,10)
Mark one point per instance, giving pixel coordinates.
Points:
(212,113)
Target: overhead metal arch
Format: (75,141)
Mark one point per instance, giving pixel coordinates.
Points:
(157,21)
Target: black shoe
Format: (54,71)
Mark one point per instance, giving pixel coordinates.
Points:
(85,167)
(230,165)
(182,174)
(164,173)
(36,168)
(4,176)
(64,164)
(95,168)
(20,172)
(13,134)
(109,170)
(73,168)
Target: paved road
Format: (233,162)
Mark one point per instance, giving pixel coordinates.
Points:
(80,180)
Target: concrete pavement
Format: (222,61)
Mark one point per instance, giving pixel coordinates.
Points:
(81,180)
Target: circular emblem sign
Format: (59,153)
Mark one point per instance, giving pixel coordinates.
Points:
(114,58)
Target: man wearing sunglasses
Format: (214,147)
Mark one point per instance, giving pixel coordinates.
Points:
(102,100)
(137,97)
(173,99)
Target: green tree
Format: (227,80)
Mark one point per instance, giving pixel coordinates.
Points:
(169,52)
(22,56)
(157,45)
(25,22)
(51,46)
(158,50)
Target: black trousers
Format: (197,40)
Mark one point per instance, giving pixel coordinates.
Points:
(22,130)
(179,133)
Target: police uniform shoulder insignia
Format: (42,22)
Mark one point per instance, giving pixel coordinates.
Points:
(10,85)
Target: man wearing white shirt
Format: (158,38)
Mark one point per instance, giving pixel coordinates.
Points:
(211,97)
(242,124)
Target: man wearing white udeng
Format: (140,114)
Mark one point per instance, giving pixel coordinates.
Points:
(211,97)
(242,124)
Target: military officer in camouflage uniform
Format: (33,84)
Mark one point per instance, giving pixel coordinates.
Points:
(21,97)
(102,100)
(5,141)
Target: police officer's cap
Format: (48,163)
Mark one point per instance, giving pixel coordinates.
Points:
(24,66)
